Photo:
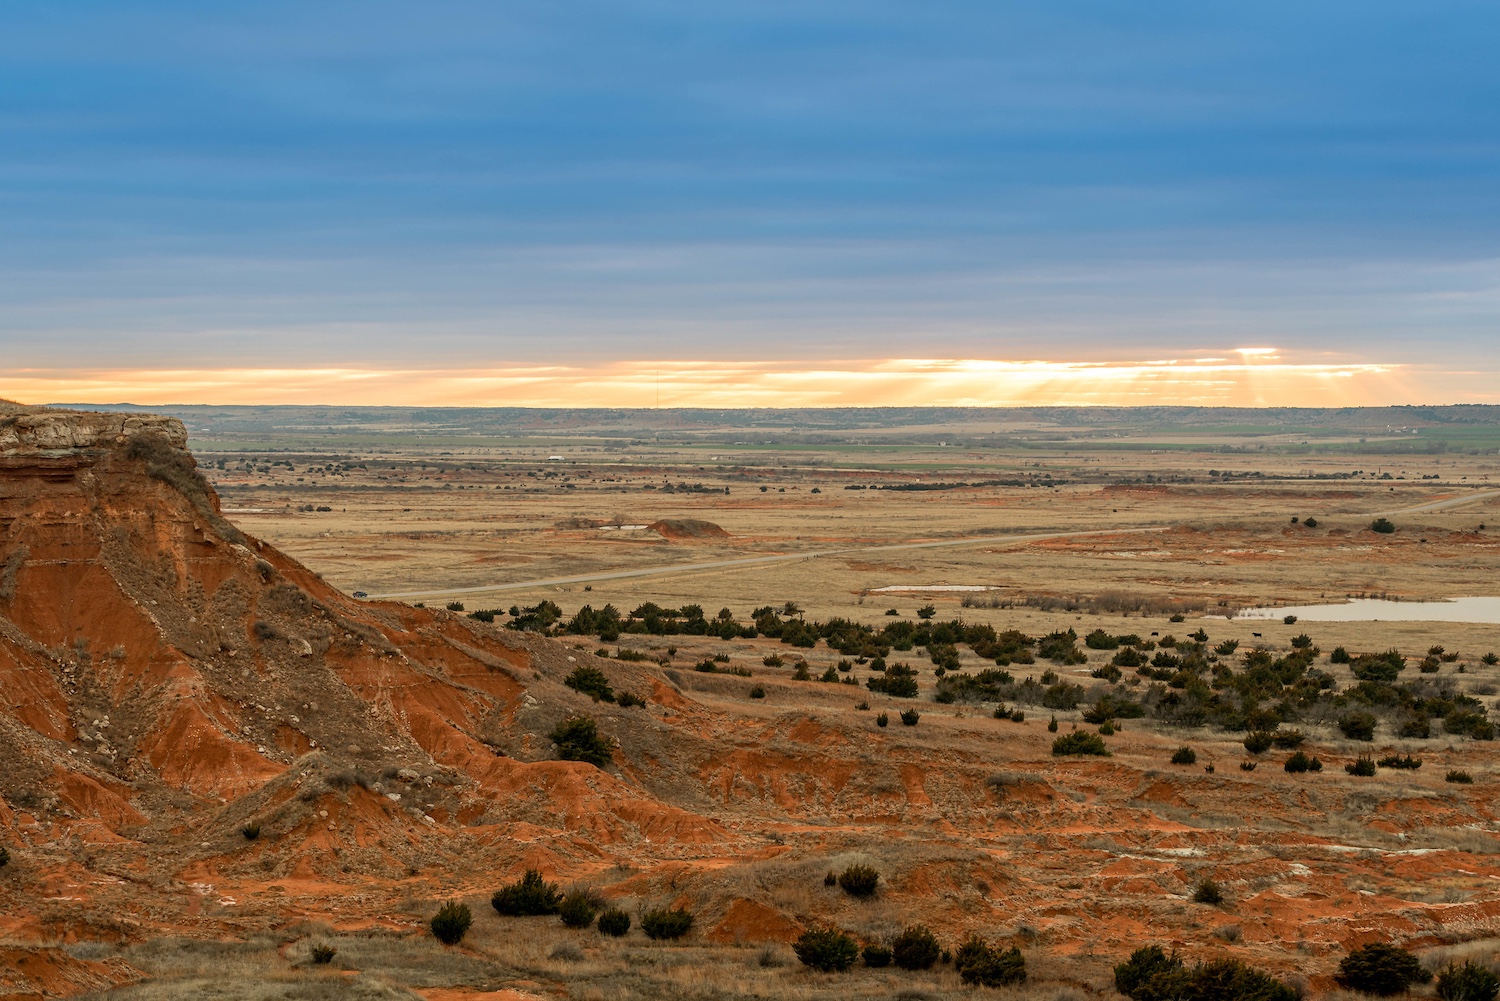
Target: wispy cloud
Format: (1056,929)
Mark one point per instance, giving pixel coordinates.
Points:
(1256,377)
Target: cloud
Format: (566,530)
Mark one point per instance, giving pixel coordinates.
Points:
(1258,378)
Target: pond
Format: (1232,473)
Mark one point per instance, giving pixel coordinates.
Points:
(1474,609)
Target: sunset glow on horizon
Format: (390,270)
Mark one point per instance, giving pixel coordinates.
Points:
(1261,379)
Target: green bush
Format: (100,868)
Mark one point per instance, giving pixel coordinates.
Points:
(910,717)
(882,720)
(578,739)
(1469,982)
(859,880)
(628,699)
(1052,725)
(1363,765)
(1340,656)
(578,909)
(1460,776)
(454,606)
(1383,526)
(1287,740)
(590,681)
(1301,762)
(826,950)
(4,857)
(898,681)
(1258,741)
(1358,725)
(1406,762)
(322,955)
(614,922)
(249,832)
(451,923)
(876,956)
(1208,892)
(1184,756)
(662,923)
(1080,742)
(978,962)
(529,895)
(1380,969)
(1153,975)
(758,692)
(916,948)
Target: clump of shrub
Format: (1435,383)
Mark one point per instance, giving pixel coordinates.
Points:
(578,739)
(591,682)
(1302,762)
(577,909)
(877,956)
(1247,766)
(1469,982)
(831,879)
(826,950)
(1459,776)
(1258,741)
(1080,742)
(454,606)
(1363,765)
(883,720)
(758,692)
(1184,756)
(451,923)
(910,717)
(528,896)
(1380,969)
(859,880)
(614,922)
(249,832)
(1406,762)
(1151,975)
(1287,740)
(627,699)
(1208,892)
(4,856)
(916,948)
(1358,725)
(661,923)
(978,962)
(322,954)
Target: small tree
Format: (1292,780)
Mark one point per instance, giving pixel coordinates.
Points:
(451,923)
(1208,892)
(322,954)
(661,923)
(1383,526)
(590,681)
(916,948)
(883,720)
(1080,742)
(1184,756)
(909,717)
(529,895)
(826,950)
(578,909)
(926,612)
(1301,762)
(1358,725)
(1258,741)
(859,880)
(876,956)
(578,739)
(1380,969)
(614,922)
(1469,982)
(1363,766)
(978,962)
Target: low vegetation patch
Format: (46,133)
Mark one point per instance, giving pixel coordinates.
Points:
(1080,742)
(916,948)
(1150,974)
(451,923)
(978,962)
(664,924)
(826,950)
(1380,969)
(578,739)
(614,922)
(859,880)
(528,896)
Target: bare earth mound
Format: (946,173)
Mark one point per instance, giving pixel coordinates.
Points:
(687,529)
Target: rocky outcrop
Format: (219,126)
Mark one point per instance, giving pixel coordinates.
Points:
(37,431)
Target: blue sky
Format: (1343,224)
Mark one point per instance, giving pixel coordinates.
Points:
(314,184)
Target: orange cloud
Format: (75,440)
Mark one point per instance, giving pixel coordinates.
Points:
(1245,377)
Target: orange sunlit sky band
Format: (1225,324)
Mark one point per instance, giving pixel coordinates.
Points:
(1247,377)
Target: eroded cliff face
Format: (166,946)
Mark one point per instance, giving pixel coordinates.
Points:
(167,679)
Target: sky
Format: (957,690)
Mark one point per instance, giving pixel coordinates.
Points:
(757,203)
